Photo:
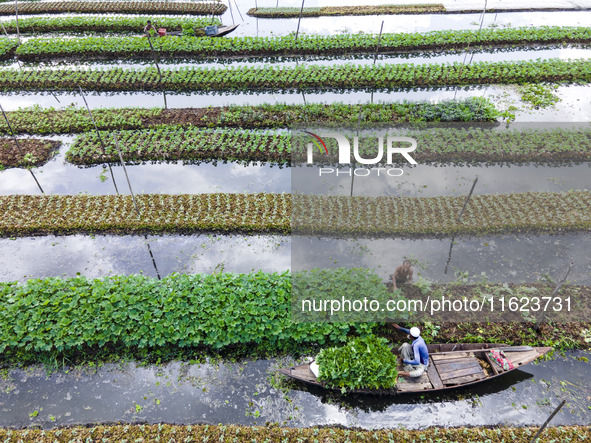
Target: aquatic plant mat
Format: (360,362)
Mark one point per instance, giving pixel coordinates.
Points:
(458,143)
(118,7)
(37,120)
(178,433)
(37,25)
(184,316)
(298,78)
(203,47)
(428,8)
(286,12)
(314,215)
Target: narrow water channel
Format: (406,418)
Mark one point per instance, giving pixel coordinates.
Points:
(572,107)
(496,259)
(249,393)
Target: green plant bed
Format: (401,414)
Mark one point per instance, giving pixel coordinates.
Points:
(362,363)
(315,215)
(39,120)
(35,25)
(7,47)
(111,47)
(118,7)
(436,145)
(436,216)
(283,12)
(173,143)
(338,77)
(273,433)
(34,152)
(177,314)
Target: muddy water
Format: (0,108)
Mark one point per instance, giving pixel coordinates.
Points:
(497,259)
(248,393)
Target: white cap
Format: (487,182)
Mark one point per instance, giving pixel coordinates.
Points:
(415,332)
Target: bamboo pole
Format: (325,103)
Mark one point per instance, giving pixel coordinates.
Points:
(299,20)
(18,33)
(137,209)
(99,137)
(375,57)
(562,403)
(467,199)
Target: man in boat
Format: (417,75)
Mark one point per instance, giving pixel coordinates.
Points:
(402,274)
(415,357)
(149,27)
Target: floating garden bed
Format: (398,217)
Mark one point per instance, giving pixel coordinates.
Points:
(50,48)
(429,8)
(248,434)
(26,215)
(435,145)
(180,311)
(284,12)
(34,152)
(102,24)
(340,77)
(70,120)
(184,315)
(118,7)
(7,47)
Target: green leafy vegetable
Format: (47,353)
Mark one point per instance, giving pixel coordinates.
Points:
(363,363)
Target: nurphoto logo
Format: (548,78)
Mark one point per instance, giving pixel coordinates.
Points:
(395,146)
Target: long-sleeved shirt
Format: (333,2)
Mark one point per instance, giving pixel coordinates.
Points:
(419,348)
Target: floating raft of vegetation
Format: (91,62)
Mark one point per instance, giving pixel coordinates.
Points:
(102,24)
(249,434)
(338,77)
(37,49)
(286,12)
(430,8)
(39,120)
(315,215)
(207,314)
(455,144)
(215,311)
(118,7)
(34,152)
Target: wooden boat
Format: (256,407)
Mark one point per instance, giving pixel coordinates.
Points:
(451,366)
(222,30)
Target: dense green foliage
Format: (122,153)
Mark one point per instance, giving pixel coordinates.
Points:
(286,45)
(7,47)
(327,215)
(216,311)
(456,144)
(173,143)
(119,7)
(102,24)
(273,433)
(283,12)
(362,363)
(39,120)
(348,76)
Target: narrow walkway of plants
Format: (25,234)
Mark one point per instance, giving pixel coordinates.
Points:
(436,145)
(301,78)
(329,215)
(39,120)
(111,47)
(118,6)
